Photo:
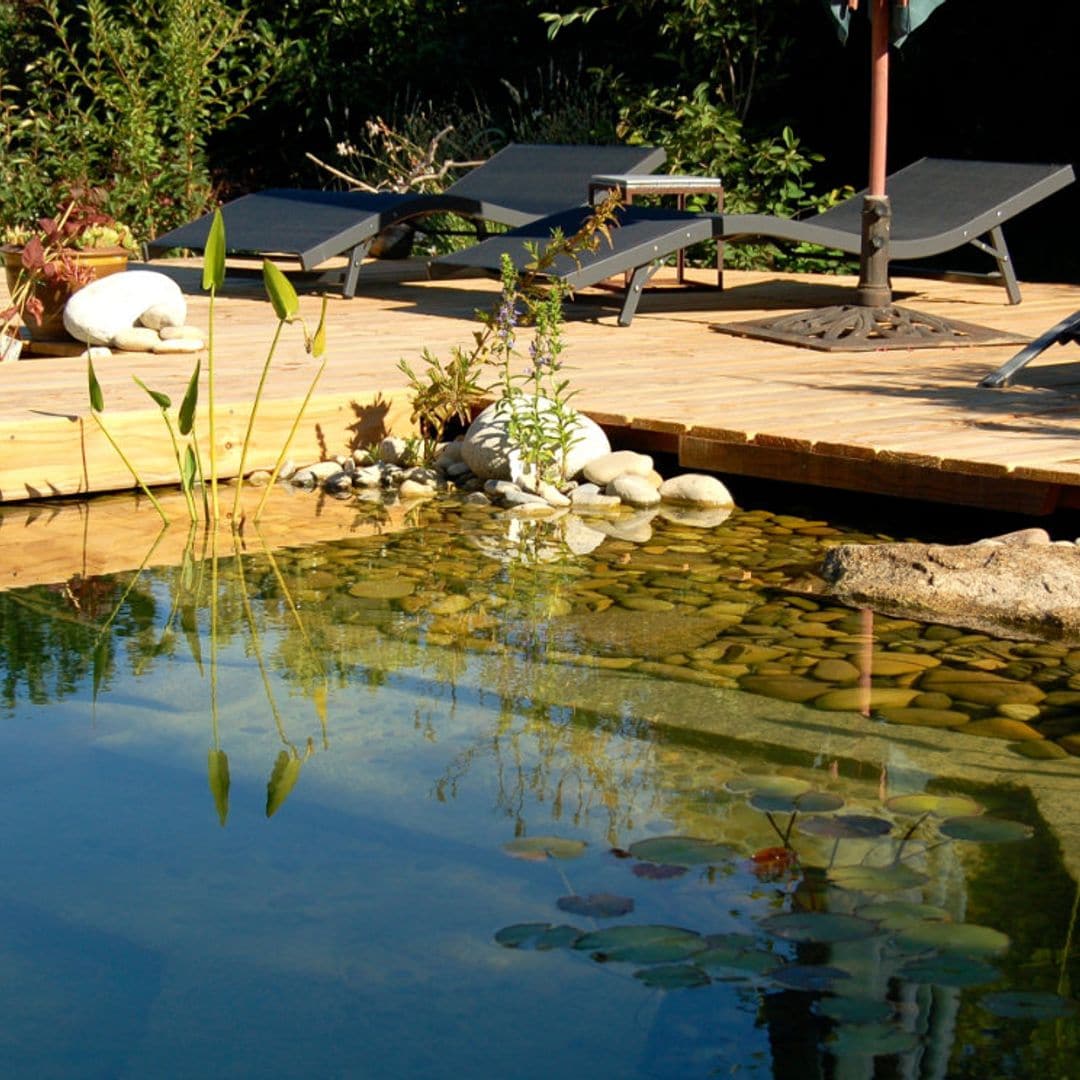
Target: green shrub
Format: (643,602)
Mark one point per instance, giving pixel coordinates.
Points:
(124,97)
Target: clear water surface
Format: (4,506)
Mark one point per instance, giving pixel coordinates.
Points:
(354,811)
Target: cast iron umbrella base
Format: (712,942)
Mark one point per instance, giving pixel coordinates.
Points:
(873,322)
(856,328)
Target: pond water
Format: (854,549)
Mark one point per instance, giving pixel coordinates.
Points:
(454,802)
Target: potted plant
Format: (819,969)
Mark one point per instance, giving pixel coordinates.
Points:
(47,262)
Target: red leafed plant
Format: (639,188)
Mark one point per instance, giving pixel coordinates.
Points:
(48,255)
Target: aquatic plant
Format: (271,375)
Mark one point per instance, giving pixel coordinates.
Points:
(540,422)
(189,464)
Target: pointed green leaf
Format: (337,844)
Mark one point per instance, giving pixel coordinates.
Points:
(187,474)
(213,274)
(101,663)
(282,781)
(282,294)
(162,401)
(97,398)
(186,418)
(189,623)
(218,773)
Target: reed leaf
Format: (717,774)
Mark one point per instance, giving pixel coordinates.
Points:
(213,275)
(281,293)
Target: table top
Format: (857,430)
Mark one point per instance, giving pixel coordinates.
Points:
(658,185)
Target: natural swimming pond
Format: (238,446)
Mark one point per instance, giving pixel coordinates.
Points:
(455,801)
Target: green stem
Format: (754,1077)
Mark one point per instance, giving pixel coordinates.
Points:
(251,421)
(188,498)
(210,398)
(288,442)
(130,468)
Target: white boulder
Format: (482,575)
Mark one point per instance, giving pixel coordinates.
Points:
(100,310)
(487,448)
(696,489)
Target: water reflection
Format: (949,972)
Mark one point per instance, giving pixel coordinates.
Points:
(405,707)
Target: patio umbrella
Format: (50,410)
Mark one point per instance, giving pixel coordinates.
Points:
(873,322)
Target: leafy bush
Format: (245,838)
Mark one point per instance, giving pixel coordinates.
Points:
(767,175)
(124,97)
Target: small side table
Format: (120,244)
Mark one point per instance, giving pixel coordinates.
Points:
(630,185)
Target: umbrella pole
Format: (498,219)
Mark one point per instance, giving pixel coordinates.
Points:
(873,289)
(873,322)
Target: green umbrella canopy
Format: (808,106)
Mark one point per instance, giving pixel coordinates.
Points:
(906,17)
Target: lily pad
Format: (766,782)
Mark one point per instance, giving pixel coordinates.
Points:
(681,851)
(596,905)
(854,1010)
(942,806)
(1028,1005)
(819,926)
(647,944)
(950,969)
(673,977)
(966,938)
(808,976)
(538,848)
(871,1040)
(557,937)
(735,953)
(877,879)
(657,871)
(513,937)
(899,914)
(809,802)
(985,830)
(785,786)
(846,826)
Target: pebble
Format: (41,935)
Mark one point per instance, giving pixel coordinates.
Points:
(135,339)
(169,333)
(178,345)
(607,467)
(983,688)
(633,490)
(1001,727)
(923,717)
(696,488)
(857,698)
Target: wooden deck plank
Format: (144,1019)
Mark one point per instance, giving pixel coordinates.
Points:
(908,422)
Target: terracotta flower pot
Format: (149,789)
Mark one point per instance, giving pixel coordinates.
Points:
(50,326)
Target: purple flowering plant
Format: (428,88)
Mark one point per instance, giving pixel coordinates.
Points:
(532,386)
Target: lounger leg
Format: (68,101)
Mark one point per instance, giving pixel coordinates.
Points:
(998,249)
(352,274)
(638,280)
(1066,330)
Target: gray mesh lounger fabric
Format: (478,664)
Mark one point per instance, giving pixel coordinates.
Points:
(938,205)
(519,183)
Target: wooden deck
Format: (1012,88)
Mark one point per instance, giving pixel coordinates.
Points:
(911,423)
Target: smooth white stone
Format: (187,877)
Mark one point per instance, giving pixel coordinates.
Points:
(634,490)
(161,317)
(136,339)
(169,332)
(100,310)
(696,488)
(487,450)
(179,345)
(604,469)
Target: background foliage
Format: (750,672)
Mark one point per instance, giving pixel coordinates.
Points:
(231,97)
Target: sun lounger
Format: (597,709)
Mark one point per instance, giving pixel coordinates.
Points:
(1067,330)
(516,185)
(938,205)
